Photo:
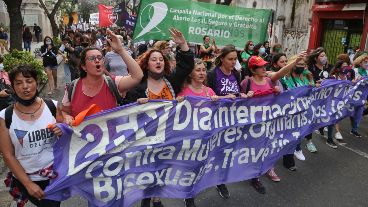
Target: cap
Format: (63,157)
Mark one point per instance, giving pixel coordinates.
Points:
(256,61)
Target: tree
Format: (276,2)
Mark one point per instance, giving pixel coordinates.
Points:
(16,22)
(86,9)
(51,16)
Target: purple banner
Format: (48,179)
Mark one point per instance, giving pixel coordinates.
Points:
(176,150)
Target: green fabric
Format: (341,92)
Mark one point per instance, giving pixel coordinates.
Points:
(290,84)
(245,55)
(362,72)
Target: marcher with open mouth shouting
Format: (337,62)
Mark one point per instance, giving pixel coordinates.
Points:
(93,87)
(160,83)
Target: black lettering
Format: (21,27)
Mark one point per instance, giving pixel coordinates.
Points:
(30,138)
(38,135)
(43,134)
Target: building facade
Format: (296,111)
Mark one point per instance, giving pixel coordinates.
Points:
(339,25)
(307,24)
(32,13)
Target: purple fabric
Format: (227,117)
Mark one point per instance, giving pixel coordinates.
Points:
(226,84)
(176,150)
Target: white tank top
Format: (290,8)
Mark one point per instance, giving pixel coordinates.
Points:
(33,142)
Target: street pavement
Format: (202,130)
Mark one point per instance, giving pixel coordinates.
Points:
(330,177)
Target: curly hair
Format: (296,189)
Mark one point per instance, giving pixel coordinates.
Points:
(144,58)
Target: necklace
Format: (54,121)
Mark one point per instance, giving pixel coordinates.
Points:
(32,114)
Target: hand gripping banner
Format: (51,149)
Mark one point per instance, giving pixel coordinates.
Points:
(178,149)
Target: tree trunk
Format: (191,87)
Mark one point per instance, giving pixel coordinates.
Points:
(51,16)
(16,22)
(54,26)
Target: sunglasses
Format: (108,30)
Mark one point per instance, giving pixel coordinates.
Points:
(94,58)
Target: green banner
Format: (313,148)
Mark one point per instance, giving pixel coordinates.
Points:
(227,24)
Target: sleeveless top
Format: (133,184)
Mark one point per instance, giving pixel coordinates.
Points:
(33,142)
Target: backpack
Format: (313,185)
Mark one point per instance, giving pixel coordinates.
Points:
(9,111)
(110,83)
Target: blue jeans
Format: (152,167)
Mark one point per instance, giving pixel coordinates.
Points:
(355,122)
(27,46)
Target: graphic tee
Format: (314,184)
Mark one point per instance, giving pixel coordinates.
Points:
(33,142)
(226,84)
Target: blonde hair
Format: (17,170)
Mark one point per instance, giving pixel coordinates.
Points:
(160,45)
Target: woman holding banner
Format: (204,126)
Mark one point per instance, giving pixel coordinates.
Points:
(263,83)
(225,81)
(94,87)
(296,78)
(26,142)
(194,86)
(160,83)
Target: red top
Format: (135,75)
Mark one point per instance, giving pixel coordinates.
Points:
(104,99)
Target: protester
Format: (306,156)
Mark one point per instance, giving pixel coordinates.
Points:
(48,54)
(165,48)
(259,84)
(27,39)
(37,30)
(266,45)
(361,65)
(95,42)
(296,78)
(225,81)
(64,51)
(342,71)
(114,63)
(93,87)
(74,56)
(30,162)
(6,98)
(318,65)
(158,81)
(244,56)
(3,41)
(195,86)
(206,51)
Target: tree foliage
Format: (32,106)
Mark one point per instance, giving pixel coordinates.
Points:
(51,16)
(86,9)
(15,58)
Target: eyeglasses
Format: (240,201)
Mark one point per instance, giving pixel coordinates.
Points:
(94,58)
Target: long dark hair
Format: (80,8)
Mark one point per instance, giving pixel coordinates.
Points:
(48,37)
(311,59)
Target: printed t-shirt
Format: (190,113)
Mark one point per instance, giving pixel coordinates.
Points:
(226,84)
(33,142)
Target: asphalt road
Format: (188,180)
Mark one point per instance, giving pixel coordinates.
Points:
(330,177)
